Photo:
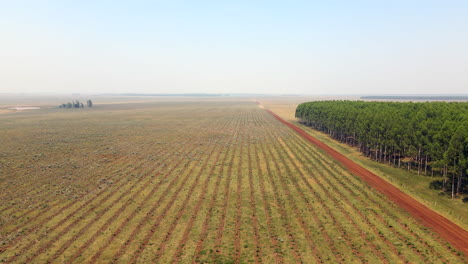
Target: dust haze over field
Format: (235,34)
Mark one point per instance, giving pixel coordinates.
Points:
(300,47)
(189,181)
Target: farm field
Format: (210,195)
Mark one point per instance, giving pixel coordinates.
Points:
(189,182)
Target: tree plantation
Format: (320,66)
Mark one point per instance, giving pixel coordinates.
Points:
(430,138)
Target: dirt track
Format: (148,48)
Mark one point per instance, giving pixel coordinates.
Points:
(454,234)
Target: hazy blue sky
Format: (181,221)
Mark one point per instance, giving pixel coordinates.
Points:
(170,46)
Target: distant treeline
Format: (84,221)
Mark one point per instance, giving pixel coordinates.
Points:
(428,98)
(429,137)
(76,104)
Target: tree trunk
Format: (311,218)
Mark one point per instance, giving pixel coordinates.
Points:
(376,151)
(444,173)
(453,185)
(399,159)
(418,160)
(379,153)
(425,167)
(385,154)
(459,182)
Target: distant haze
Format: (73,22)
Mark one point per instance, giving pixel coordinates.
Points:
(293,47)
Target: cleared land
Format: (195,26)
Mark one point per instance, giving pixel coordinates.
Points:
(189,182)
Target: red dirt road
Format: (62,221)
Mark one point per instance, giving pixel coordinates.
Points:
(454,234)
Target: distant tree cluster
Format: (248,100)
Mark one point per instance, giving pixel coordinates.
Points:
(416,97)
(76,104)
(430,137)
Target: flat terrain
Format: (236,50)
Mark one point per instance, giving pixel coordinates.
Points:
(188,182)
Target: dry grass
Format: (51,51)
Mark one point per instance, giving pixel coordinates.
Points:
(180,181)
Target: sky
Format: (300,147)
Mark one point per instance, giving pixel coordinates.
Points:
(277,47)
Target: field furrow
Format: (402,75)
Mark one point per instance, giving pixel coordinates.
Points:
(191,182)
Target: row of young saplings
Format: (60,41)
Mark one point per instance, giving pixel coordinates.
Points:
(352,188)
(104,194)
(270,176)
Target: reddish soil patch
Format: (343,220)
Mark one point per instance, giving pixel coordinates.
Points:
(454,234)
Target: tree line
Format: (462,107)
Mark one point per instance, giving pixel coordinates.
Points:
(417,97)
(76,104)
(430,138)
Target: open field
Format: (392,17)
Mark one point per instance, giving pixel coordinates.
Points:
(187,182)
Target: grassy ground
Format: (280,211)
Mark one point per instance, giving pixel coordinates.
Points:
(415,185)
(185,182)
